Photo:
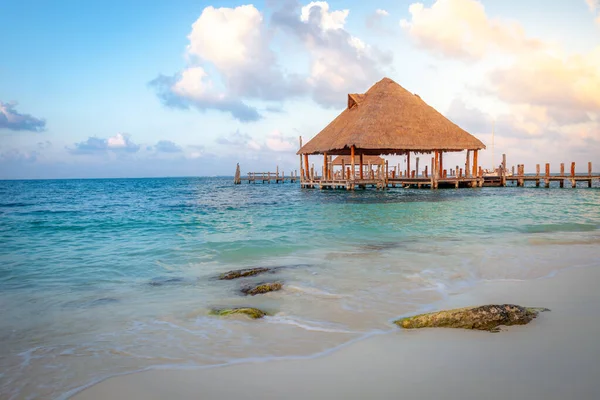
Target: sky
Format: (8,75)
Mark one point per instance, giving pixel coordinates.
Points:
(103,89)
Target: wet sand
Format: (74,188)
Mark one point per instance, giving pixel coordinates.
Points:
(557,356)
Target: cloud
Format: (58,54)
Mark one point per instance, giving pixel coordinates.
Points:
(121,142)
(340,62)
(593,5)
(231,63)
(375,20)
(546,88)
(18,156)
(187,90)
(277,142)
(167,146)
(462,29)
(44,145)
(11,119)
(234,43)
(240,140)
(574,88)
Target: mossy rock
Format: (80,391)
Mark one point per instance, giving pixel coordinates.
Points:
(261,288)
(250,312)
(241,273)
(485,318)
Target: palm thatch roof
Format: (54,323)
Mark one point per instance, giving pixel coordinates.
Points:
(374,160)
(388,119)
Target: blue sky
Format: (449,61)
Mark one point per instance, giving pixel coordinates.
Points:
(189,88)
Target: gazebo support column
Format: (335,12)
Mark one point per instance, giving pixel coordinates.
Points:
(352,150)
(475,163)
(417,168)
(325,167)
(306,169)
(434,167)
(408,164)
(361,165)
(468,164)
(441,167)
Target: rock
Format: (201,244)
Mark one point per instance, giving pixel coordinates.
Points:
(486,318)
(251,312)
(240,273)
(261,288)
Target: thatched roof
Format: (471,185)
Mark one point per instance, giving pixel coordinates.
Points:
(388,119)
(374,160)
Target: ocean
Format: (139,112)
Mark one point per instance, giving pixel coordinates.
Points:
(106,277)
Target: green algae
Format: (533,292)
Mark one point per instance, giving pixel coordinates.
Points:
(241,273)
(250,312)
(262,288)
(487,317)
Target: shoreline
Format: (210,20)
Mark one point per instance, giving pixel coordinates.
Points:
(545,359)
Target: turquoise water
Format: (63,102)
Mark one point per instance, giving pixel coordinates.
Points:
(104,277)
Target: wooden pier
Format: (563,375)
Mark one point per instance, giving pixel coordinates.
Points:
(380,177)
(269,177)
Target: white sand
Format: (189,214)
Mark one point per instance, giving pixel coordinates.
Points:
(557,356)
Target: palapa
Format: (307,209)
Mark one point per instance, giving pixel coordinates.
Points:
(388,119)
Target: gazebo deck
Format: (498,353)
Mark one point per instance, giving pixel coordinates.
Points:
(421,182)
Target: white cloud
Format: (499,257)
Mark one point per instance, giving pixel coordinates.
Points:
(381,12)
(593,4)
(545,86)
(317,12)
(230,61)
(461,28)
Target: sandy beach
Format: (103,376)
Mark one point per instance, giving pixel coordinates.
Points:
(557,356)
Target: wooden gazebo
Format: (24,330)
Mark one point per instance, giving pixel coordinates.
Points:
(389,120)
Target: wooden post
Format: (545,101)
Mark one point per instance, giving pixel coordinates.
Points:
(503,180)
(408,164)
(441,167)
(417,167)
(343,169)
(562,169)
(387,170)
(237,179)
(426,174)
(460,173)
(537,175)
(475,169)
(433,164)
(468,164)
(301,158)
(590,174)
(324,166)
(312,172)
(361,165)
(573,181)
(547,180)
(352,149)
(306,168)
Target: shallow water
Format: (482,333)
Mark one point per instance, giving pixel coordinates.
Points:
(102,277)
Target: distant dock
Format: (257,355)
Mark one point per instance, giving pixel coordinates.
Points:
(265,177)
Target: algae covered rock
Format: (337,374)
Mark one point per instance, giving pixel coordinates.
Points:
(261,288)
(251,312)
(241,273)
(486,318)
